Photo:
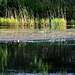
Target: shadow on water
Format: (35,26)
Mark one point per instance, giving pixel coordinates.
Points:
(38,57)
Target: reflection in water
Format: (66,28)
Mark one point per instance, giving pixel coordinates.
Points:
(3,56)
(38,57)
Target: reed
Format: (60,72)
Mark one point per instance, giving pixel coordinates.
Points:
(23,20)
(57,8)
(73,23)
(42,23)
(62,23)
(55,23)
(47,24)
(36,23)
(13,22)
(58,23)
(7,23)
(31,23)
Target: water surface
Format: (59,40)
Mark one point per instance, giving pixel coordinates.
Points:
(37,58)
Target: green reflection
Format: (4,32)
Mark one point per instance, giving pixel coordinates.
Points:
(38,57)
(3,55)
(38,65)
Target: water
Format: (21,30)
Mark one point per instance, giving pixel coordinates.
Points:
(37,58)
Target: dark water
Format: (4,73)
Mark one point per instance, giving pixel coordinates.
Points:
(37,58)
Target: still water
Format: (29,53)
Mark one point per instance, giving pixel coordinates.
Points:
(37,58)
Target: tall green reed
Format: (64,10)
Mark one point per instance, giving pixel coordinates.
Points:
(73,23)
(24,20)
(58,23)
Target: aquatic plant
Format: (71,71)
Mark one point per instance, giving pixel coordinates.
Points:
(58,23)
(9,22)
(73,23)
(28,22)
(47,23)
(42,23)
(23,18)
(13,22)
(62,23)
(36,23)
(24,21)
(2,20)
(55,23)
(3,23)
(32,23)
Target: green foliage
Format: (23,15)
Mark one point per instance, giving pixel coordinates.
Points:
(2,20)
(55,23)
(39,64)
(36,23)
(24,22)
(58,23)
(72,22)
(12,20)
(42,23)
(0,2)
(39,6)
(9,22)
